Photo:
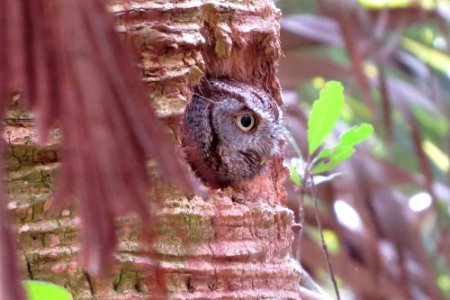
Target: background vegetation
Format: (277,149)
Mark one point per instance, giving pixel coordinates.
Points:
(387,220)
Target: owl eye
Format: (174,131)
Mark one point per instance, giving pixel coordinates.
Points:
(245,121)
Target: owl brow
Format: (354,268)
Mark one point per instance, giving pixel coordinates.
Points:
(242,94)
(249,92)
(236,91)
(251,97)
(266,101)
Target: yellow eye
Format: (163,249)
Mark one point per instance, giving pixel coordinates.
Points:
(245,122)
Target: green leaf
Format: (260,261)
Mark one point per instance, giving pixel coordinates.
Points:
(329,158)
(356,135)
(41,290)
(338,155)
(324,153)
(324,114)
(295,177)
(332,241)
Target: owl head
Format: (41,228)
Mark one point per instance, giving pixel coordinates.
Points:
(231,130)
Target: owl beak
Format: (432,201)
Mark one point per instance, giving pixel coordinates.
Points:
(264,159)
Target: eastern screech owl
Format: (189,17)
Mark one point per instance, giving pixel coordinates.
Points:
(230,130)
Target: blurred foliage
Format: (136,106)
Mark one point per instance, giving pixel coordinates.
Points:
(41,290)
(388,218)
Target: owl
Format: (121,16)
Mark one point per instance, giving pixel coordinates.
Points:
(230,131)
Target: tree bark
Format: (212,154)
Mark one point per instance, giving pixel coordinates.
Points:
(235,244)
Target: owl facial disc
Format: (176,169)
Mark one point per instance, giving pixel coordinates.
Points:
(230,131)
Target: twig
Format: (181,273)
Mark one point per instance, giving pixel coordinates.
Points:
(324,245)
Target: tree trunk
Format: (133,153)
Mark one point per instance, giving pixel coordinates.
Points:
(234,245)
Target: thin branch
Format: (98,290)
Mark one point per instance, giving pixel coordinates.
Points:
(324,245)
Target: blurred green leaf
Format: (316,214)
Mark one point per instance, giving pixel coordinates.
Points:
(324,153)
(443,282)
(41,290)
(332,241)
(329,158)
(356,135)
(436,59)
(337,155)
(379,4)
(383,4)
(324,114)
